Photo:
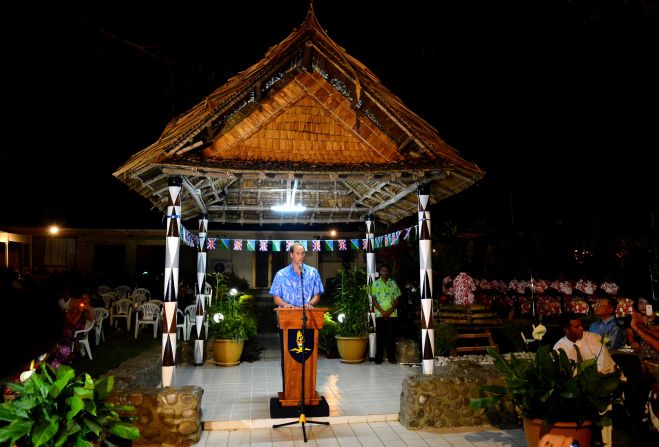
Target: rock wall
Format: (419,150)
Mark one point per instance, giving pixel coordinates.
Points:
(442,400)
(166,417)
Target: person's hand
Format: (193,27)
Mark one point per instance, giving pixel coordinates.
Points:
(637,320)
(636,346)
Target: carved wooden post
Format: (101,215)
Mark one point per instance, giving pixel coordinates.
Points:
(425,281)
(200,310)
(172,249)
(370,279)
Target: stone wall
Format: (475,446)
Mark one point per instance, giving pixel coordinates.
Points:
(165,416)
(442,400)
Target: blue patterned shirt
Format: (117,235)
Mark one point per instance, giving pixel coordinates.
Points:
(286,285)
(611,329)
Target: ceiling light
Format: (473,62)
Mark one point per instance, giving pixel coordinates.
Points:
(288,208)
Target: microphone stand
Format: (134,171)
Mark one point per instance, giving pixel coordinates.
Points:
(302,419)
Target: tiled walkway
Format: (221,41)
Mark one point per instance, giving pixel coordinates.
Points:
(364,401)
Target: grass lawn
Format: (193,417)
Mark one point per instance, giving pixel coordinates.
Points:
(119,346)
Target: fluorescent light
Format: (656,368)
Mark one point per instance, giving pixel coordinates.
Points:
(288,208)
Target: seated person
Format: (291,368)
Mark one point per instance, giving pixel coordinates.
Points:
(607,325)
(647,334)
(580,345)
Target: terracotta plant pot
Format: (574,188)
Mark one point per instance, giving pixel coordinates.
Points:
(533,430)
(227,352)
(351,349)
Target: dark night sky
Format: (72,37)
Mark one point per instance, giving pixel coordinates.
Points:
(556,99)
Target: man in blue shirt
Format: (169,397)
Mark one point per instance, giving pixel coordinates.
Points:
(294,286)
(607,325)
(287,285)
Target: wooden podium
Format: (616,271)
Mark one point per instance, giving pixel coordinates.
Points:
(290,322)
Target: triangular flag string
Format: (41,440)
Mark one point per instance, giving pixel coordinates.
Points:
(317,245)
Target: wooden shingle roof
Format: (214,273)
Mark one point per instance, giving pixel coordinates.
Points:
(307,114)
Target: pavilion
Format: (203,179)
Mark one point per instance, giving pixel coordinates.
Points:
(308,127)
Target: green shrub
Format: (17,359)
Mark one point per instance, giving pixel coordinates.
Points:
(57,408)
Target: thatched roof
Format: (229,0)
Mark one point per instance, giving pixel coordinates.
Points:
(308,111)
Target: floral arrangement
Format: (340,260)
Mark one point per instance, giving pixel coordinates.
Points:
(518,286)
(539,286)
(609,287)
(625,307)
(484,284)
(499,286)
(587,287)
(463,289)
(578,307)
(563,287)
(447,285)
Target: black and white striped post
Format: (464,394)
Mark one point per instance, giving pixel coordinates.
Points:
(425,281)
(172,250)
(370,279)
(200,309)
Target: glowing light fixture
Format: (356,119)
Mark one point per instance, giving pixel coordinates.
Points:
(218,317)
(53,229)
(341,317)
(233,292)
(289,206)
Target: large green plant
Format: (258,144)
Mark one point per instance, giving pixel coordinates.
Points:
(351,300)
(56,407)
(553,388)
(230,317)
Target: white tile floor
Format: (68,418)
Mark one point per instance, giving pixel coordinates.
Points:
(364,400)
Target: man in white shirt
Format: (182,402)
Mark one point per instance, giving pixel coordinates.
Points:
(579,346)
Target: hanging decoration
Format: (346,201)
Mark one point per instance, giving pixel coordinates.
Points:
(327,245)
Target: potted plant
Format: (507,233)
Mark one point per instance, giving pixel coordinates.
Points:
(351,309)
(553,393)
(230,322)
(56,407)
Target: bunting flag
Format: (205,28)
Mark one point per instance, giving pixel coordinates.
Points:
(317,245)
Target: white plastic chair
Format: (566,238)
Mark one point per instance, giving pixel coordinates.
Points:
(189,313)
(208,291)
(181,324)
(122,308)
(122,291)
(108,299)
(82,336)
(100,314)
(138,299)
(104,289)
(142,291)
(147,313)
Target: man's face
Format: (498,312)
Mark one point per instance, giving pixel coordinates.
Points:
(384,272)
(603,309)
(575,331)
(297,256)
